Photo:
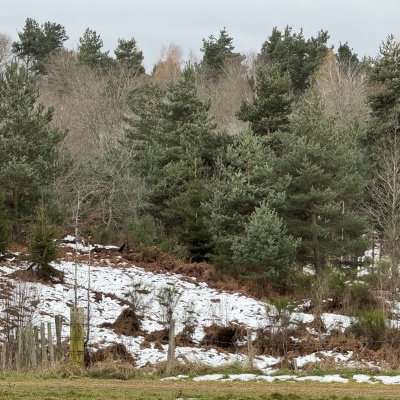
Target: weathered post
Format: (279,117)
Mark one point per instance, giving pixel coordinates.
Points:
(37,343)
(50,343)
(58,324)
(250,351)
(43,344)
(31,346)
(20,343)
(171,347)
(77,335)
(4,356)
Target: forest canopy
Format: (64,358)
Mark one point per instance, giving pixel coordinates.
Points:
(260,164)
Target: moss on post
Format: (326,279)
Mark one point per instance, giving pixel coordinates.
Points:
(77,335)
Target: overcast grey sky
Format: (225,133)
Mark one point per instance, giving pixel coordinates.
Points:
(364,24)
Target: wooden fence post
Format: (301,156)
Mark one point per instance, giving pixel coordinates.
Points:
(58,324)
(250,351)
(30,341)
(3,356)
(19,352)
(77,335)
(11,351)
(43,343)
(50,343)
(171,347)
(37,343)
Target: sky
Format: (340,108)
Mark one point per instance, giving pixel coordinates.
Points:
(155,24)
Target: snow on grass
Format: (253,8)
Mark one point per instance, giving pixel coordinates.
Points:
(110,284)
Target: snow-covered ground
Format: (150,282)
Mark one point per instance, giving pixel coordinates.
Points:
(198,304)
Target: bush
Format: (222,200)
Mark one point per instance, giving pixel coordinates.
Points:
(145,232)
(299,283)
(223,337)
(358,297)
(370,326)
(168,298)
(276,337)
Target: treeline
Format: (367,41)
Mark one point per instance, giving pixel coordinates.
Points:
(260,163)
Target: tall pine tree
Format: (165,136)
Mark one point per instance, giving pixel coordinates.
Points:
(270,108)
(176,147)
(244,179)
(29,146)
(296,55)
(128,54)
(217,53)
(36,43)
(324,190)
(385,100)
(89,49)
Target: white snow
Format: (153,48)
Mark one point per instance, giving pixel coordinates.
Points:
(111,282)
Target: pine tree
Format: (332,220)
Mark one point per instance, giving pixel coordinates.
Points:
(296,55)
(264,250)
(218,52)
(89,49)
(128,54)
(384,102)
(43,248)
(37,42)
(29,152)
(271,106)
(346,57)
(176,149)
(244,179)
(382,147)
(325,187)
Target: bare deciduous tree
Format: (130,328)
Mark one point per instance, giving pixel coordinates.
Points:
(5,49)
(18,307)
(384,211)
(91,104)
(344,91)
(226,95)
(169,64)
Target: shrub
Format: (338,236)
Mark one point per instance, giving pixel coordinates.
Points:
(299,283)
(145,232)
(370,325)
(358,297)
(223,337)
(277,336)
(168,298)
(139,302)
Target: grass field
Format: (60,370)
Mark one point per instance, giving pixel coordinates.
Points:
(78,388)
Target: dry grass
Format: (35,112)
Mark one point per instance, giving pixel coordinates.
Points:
(96,389)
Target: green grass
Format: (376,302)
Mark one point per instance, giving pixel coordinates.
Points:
(91,389)
(37,386)
(110,381)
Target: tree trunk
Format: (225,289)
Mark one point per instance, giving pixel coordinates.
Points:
(316,250)
(16,222)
